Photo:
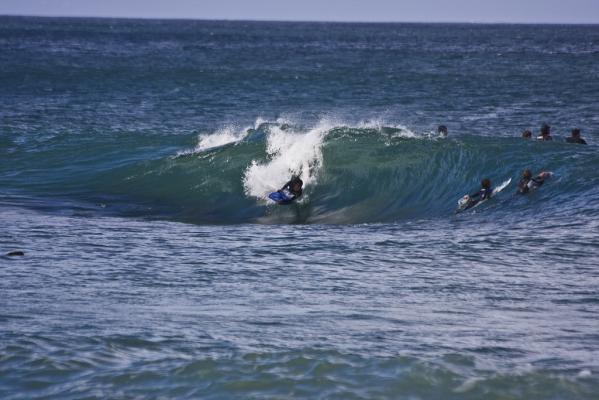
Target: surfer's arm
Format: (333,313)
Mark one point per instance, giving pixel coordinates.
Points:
(286,186)
(537,181)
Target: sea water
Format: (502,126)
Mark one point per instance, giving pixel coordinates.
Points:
(136,158)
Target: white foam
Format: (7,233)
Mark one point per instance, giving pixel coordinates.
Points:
(379,125)
(207,141)
(233,134)
(468,385)
(223,136)
(228,134)
(585,373)
(219,138)
(291,154)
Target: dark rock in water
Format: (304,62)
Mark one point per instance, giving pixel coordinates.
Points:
(15,253)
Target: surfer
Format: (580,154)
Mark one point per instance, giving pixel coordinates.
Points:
(529,182)
(545,133)
(575,137)
(484,193)
(293,188)
(442,130)
(290,192)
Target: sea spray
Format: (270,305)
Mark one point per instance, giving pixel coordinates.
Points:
(231,133)
(289,153)
(222,137)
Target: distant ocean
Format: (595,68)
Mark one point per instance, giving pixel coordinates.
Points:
(136,157)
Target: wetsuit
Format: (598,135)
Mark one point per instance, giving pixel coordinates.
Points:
(291,195)
(576,140)
(526,184)
(479,196)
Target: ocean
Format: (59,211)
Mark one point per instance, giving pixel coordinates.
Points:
(136,157)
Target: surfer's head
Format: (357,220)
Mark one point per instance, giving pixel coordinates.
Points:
(442,130)
(527,134)
(576,133)
(296,184)
(545,130)
(486,183)
(527,174)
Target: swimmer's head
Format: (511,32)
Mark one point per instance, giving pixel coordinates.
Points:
(527,134)
(442,130)
(486,183)
(545,130)
(576,133)
(527,174)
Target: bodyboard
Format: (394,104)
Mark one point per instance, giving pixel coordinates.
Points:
(280,197)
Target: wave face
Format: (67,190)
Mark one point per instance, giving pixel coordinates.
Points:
(364,173)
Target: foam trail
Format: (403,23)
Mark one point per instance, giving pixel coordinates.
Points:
(290,153)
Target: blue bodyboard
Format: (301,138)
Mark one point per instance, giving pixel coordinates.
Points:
(280,197)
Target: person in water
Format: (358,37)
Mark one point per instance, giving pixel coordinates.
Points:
(485,193)
(575,137)
(442,130)
(527,134)
(293,189)
(529,182)
(545,133)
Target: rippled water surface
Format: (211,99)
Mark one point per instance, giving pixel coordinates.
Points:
(135,162)
(112,307)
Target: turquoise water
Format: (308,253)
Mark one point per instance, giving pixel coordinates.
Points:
(135,160)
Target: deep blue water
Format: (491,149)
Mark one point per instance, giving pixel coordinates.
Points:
(135,161)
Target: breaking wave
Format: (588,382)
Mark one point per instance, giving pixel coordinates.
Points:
(368,172)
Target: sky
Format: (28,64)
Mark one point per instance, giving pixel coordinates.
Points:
(511,11)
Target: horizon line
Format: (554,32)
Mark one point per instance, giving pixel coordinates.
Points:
(295,21)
